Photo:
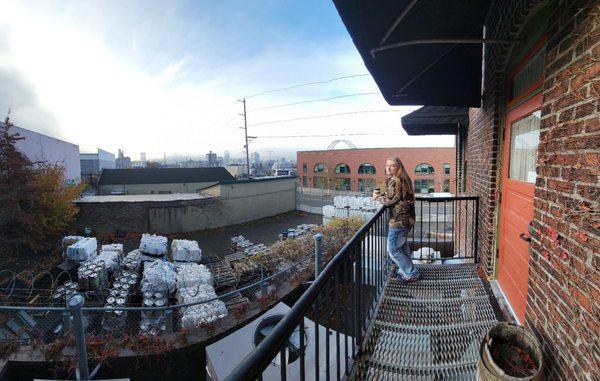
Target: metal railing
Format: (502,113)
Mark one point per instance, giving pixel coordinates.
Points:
(445,229)
(333,315)
(342,301)
(338,306)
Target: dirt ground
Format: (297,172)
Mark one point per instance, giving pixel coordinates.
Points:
(216,241)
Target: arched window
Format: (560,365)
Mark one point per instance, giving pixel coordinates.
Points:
(424,169)
(367,168)
(342,168)
(320,167)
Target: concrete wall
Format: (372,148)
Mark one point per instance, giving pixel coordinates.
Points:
(38,147)
(231,203)
(154,188)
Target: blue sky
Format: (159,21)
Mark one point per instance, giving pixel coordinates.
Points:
(163,76)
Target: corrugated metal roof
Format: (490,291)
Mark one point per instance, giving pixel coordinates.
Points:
(163,175)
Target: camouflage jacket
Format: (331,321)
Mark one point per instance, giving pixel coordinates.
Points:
(400,202)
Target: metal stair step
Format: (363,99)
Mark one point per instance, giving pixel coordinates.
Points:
(432,289)
(375,371)
(435,312)
(447,346)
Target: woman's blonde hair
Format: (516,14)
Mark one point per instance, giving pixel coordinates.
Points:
(406,187)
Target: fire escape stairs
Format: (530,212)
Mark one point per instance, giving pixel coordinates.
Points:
(430,329)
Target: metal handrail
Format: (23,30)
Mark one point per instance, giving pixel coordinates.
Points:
(269,347)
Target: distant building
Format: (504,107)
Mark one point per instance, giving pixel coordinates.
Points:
(159,180)
(226,158)
(122,161)
(211,158)
(255,158)
(94,163)
(432,169)
(143,158)
(283,168)
(239,171)
(39,147)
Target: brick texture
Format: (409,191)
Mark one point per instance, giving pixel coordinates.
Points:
(563,299)
(410,157)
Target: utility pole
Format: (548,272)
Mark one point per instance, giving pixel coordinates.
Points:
(246,137)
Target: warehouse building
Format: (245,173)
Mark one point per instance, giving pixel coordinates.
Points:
(39,147)
(432,169)
(159,180)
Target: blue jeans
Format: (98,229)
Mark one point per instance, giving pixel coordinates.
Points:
(399,251)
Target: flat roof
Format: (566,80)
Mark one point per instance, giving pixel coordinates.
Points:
(143,197)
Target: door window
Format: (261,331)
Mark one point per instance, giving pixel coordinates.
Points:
(524,139)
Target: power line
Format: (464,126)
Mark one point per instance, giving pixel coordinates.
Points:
(307,84)
(325,135)
(312,101)
(322,116)
(214,123)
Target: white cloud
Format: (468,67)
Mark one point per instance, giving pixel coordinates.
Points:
(163,100)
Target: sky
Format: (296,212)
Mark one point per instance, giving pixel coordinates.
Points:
(165,77)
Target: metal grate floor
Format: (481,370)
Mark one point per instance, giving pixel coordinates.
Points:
(430,329)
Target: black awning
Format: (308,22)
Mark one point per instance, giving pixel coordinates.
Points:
(435,120)
(421,73)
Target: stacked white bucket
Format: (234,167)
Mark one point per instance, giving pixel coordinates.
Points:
(350,206)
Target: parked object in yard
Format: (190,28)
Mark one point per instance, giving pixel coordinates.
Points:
(510,352)
(118,247)
(153,244)
(82,250)
(191,274)
(185,251)
(159,276)
(202,313)
(132,261)
(70,240)
(110,259)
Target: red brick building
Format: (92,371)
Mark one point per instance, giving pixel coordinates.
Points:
(527,75)
(433,169)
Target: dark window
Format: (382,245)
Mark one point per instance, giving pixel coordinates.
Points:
(319,167)
(342,168)
(424,186)
(304,181)
(342,184)
(304,168)
(320,182)
(424,169)
(446,186)
(367,168)
(446,169)
(366,185)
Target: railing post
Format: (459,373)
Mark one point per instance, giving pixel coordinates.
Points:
(66,317)
(75,304)
(318,240)
(169,321)
(476,240)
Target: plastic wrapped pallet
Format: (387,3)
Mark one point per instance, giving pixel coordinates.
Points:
(110,259)
(328,210)
(153,244)
(159,276)
(185,251)
(191,274)
(201,313)
(82,249)
(118,247)
(70,239)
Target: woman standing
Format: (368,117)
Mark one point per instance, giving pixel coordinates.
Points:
(400,200)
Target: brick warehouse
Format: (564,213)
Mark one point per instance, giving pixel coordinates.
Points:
(527,76)
(432,169)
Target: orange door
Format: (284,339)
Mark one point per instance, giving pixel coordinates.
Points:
(521,139)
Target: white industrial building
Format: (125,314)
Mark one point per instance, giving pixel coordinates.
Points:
(94,163)
(39,147)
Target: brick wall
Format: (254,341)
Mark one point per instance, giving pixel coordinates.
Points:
(411,157)
(482,154)
(563,302)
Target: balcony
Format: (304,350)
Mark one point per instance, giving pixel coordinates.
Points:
(373,327)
